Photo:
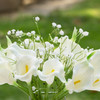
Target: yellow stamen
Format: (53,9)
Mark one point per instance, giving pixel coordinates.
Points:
(96,81)
(52,70)
(27,68)
(76,82)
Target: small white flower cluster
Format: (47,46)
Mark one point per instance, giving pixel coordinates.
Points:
(84,33)
(45,64)
(55,25)
(58,27)
(21,33)
(29,34)
(16,33)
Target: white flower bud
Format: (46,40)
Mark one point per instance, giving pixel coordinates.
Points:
(85,33)
(54,24)
(33,88)
(58,26)
(47,44)
(61,32)
(9,32)
(26,41)
(56,39)
(19,33)
(37,38)
(37,18)
(81,30)
(29,34)
(33,32)
(13,31)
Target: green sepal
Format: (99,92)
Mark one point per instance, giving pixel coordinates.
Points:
(90,55)
(8,40)
(74,35)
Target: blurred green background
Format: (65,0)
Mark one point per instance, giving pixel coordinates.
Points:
(85,15)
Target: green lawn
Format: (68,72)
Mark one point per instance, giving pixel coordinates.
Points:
(85,15)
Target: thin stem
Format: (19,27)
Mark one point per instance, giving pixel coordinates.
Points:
(39,32)
(60,95)
(31,92)
(46,93)
(37,28)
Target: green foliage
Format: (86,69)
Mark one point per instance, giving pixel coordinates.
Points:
(23,86)
(90,55)
(8,41)
(74,35)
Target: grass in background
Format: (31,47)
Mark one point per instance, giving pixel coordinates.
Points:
(85,15)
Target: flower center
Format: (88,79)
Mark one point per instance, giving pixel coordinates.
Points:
(52,70)
(26,68)
(96,81)
(76,82)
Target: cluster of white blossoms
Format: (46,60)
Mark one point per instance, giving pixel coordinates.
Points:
(45,66)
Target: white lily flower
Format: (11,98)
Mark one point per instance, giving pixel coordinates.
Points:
(82,77)
(95,61)
(52,68)
(26,62)
(5,72)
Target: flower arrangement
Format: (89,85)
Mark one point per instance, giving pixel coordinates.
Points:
(49,70)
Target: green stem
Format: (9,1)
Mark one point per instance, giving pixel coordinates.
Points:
(42,40)
(46,93)
(60,95)
(37,28)
(31,92)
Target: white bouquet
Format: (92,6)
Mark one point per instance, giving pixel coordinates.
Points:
(49,70)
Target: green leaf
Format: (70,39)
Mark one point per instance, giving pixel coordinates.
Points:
(74,36)
(8,41)
(23,86)
(90,55)
(1,48)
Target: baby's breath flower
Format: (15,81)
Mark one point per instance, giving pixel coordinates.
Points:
(54,24)
(58,26)
(33,88)
(9,32)
(61,32)
(37,38)
(66,37)
(13,31)
(51,46)
(85,33)
(81,30)
(33,32)
(47,44)
(19,33)
(26,41)
(29,34)
(37,18)
(56,39)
